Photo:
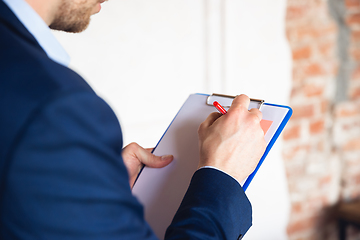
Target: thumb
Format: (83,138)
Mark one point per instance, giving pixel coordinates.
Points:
(150,160)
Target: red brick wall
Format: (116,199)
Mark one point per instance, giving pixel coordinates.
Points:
(322,140)
(347,114)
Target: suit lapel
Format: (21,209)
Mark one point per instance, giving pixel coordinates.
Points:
(9,19)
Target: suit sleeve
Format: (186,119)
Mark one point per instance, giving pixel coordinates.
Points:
(67,180)
(214,207)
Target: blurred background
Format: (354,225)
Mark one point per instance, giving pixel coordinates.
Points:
(145,57)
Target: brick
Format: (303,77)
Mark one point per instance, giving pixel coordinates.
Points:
(320,146)
(352,4)
(355,36)
(356,73)
(298,74)
(313,90)
(355,53)
(326,49)
(328,30)
(314,32)
(295,12)
(301,53)
(314,69)
(317,126)
(305,111)
(353,19)
(357,179)
(289,154)
(355,93)
(316,203)
(325,105)
(326,180)
(296,91)
(308,90)
(289,35)
(306,32)
(351,126)
(292,132)
(334,69)
(352,145)
(346,110)
(301,225)
(297,208)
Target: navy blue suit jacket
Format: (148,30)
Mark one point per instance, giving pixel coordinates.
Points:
(61,171)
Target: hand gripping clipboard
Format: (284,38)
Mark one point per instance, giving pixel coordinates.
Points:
(161,190)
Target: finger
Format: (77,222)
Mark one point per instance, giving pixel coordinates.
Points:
(210,119)
(150,160)
(240,101)
(149,149)
(256,112)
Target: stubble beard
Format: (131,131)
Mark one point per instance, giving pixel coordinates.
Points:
(72,17)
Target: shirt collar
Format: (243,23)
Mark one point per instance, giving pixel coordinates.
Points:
(38,28)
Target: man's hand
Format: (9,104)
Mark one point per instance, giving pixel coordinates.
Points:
(234,142)
(135,157)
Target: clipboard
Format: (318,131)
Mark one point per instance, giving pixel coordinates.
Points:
(162,190)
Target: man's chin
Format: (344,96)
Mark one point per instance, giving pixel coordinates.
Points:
(71,28)
(75,18)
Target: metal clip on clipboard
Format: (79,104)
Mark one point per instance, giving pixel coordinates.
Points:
(208,99)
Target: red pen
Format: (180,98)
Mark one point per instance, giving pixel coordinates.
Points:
(219,107)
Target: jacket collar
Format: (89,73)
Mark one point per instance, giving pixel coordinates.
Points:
(8,18)
(35,26)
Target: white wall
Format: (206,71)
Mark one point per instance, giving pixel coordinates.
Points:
(258,64)
(144,57)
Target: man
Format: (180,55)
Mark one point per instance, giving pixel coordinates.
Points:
(64,174)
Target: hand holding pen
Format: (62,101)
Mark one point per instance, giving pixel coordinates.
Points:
(233,143)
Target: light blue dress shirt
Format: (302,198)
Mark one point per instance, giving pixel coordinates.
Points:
(38,28)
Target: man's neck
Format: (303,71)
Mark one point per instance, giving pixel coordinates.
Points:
(45,8)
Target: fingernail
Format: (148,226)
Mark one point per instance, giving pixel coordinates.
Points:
(166,157)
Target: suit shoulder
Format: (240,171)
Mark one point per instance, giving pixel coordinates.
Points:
(28,80)
(23,61)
